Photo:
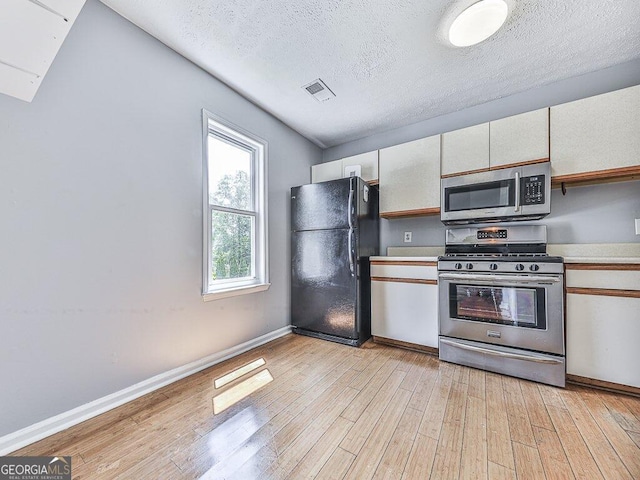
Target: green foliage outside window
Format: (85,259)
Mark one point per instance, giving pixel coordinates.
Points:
(231,232)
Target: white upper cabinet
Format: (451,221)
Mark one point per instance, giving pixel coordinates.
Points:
(513,140)
(324,172)
(596,133)
(519,139)
(368,163)
(31,33)
(410,178)
(465,150)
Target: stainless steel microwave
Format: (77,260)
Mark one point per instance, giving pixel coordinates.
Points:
(509,194)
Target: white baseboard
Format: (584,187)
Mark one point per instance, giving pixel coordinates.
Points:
(21,438)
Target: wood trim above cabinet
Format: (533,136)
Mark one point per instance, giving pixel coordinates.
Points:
(405,263)
(458,174)
(603,266)
(406,345)
(498,167)
(592,382)
(599,176)
(373,182)
(405,280)
(606,292)
(419,212)
(520,164)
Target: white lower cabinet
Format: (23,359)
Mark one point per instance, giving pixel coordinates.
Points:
(403,307)
(603,338)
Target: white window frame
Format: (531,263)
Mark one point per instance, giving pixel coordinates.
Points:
(259,281)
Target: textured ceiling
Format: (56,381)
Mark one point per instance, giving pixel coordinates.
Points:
(387,61)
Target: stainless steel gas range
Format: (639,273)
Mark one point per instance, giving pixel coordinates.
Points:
(502,302)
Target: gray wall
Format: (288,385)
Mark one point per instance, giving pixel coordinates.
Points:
(589,214)
(602,81)
(101,222)
(593,214)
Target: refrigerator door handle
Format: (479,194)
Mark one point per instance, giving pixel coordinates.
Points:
(350,204)
(352,266)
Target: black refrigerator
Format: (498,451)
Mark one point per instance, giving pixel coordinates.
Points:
(334,231)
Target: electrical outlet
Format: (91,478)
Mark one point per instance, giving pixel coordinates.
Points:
(407,237)
(637,226)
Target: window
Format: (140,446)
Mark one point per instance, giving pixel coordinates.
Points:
(235,210)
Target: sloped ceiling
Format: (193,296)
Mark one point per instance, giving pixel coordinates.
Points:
(387,61)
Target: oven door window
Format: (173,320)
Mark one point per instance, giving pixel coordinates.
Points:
(481,195)
(517,306)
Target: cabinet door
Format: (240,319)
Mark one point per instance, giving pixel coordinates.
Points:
(596,133)
(368,162)
(520,138)
(30,38)
(465,150)
(410,177)
(602,338)
(326,171)
(405,311)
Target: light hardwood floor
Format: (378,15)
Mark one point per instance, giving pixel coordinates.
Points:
(334,412)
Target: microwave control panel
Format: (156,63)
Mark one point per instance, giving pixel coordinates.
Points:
(532,190)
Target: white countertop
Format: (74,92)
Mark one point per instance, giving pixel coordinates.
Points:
(597,252)
(405,258)
(572,253)
(415,251)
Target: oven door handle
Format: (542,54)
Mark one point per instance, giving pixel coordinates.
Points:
(497,353)
(500,278)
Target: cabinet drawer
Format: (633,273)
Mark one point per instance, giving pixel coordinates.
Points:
(603,279)
(417,272)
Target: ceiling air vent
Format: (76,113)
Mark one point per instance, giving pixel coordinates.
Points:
(319,90)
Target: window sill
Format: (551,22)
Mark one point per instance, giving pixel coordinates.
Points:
(235,291)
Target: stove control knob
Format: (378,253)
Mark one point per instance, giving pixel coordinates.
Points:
(469,266)
(493,266)
(519,267)
(458,266)
(534,267)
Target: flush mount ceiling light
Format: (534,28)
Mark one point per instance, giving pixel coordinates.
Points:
(478,22)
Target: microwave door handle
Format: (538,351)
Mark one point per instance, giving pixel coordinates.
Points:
(500,279)
(517,208)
